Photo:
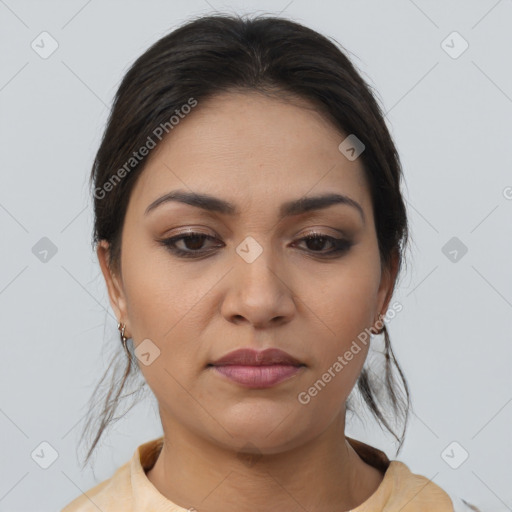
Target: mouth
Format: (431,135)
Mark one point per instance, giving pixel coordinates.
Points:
(257,369)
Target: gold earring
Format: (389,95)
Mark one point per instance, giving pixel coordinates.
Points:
(121,327)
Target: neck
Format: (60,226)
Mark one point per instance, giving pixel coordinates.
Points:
(324,474)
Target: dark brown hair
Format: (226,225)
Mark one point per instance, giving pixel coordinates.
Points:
(214,54)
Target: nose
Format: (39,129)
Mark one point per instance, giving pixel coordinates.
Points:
(259,293)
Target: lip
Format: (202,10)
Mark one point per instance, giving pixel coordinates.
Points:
(251,357)
(257,369)
(258,377)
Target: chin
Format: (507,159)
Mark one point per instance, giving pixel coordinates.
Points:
(262,437)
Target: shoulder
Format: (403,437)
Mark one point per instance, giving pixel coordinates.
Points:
(110,495)
(419,493)
(128,489)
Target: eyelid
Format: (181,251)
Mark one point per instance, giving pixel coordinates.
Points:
(324,230)
(192,228)
(209,232)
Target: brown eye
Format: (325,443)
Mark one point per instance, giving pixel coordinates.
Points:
(316,241)
(192,243)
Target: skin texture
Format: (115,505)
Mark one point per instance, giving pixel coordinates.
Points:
(256,152)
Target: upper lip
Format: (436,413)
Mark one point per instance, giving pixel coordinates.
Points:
(251,357)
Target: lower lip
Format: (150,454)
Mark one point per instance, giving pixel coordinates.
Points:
(258,376)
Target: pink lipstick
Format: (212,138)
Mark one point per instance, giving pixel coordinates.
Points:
(257,369)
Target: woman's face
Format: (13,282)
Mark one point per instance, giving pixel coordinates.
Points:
(257,283)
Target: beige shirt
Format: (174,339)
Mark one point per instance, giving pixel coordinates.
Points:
(130,490)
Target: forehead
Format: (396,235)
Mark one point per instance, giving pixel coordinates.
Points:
(252,149)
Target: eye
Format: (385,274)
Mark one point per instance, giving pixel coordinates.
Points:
(193,243)
(317,241)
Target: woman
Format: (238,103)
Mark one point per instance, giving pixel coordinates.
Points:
(250,229)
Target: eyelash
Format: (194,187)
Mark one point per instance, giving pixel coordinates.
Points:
(341,245)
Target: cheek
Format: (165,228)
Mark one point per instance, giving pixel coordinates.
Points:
(345,299)
(161,308)
(156,293)
(165,304)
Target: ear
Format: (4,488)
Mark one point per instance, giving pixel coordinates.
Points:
(387,284)
(113,282)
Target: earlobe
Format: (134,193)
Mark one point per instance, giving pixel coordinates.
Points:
(112,281)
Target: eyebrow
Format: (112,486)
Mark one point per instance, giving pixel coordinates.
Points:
(295,207)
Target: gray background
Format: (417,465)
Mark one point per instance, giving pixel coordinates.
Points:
(451,120)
